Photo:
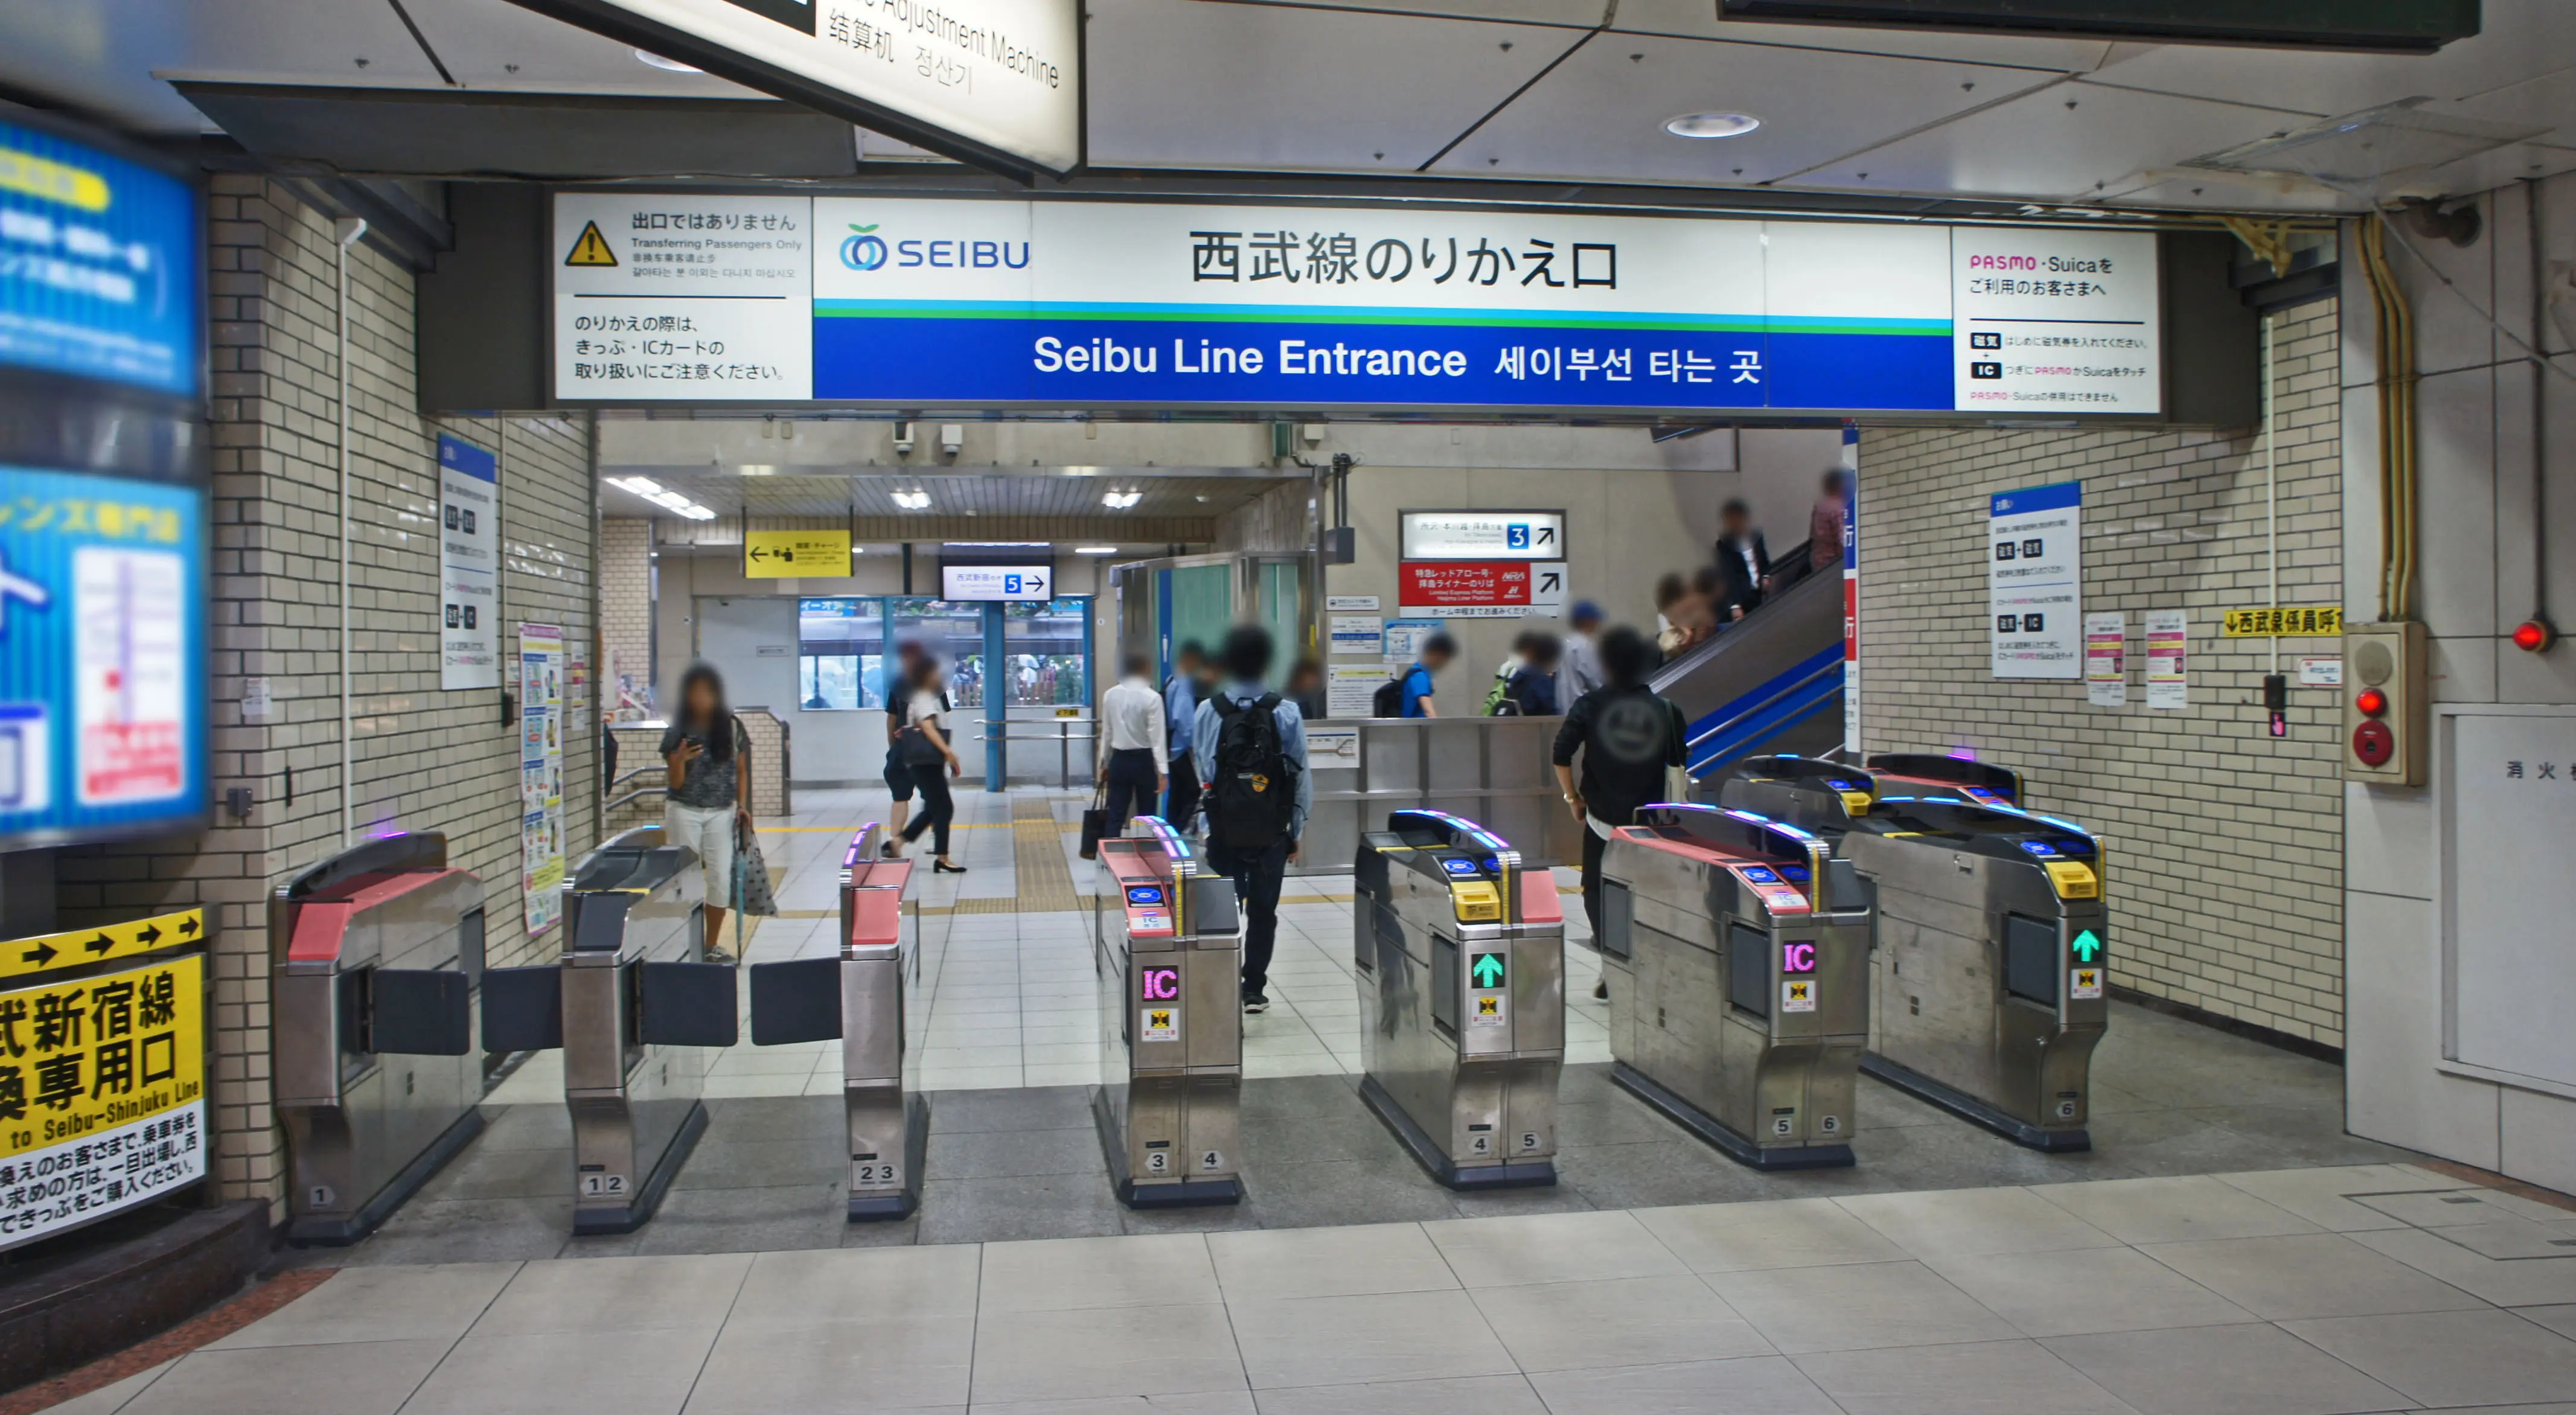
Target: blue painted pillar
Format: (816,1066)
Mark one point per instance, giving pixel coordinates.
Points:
(997,703)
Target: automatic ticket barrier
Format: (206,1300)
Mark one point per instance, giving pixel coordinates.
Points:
(1168,950)
(1988,995)
(633,1011)
(375,956)
(1738,963)
(857,995)
(1459,954)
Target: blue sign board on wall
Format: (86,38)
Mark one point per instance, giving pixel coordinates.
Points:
(102,656)
(98,266)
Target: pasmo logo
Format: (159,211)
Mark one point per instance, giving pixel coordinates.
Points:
(864,250)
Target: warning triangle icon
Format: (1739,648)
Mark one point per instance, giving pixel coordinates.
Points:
(591,249)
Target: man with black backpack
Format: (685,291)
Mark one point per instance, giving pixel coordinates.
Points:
(1250,750)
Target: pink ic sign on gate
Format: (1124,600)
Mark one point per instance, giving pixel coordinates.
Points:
(1797,957)
(1160,984)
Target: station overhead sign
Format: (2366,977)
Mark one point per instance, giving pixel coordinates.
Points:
(996,582)
(1482,535)
(98,266)
(994,82)
(993,303)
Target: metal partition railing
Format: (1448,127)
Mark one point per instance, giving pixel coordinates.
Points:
(1496,771)
(1063,731)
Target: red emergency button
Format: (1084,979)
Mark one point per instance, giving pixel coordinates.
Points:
(2372,703)
(2373,743)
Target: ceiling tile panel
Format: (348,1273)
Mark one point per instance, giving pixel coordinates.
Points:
(107,55)
(493,44)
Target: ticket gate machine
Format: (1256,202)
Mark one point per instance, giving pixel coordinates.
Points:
(1459,954)
(857,994)
(1168,950)
(375,955)
(1738,962)
(1992,940)
(1989,985)
(634,1012)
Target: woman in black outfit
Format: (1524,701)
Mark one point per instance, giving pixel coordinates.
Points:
(926,750)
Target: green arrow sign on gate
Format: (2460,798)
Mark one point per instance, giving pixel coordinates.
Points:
(1487,970)
(2087,946)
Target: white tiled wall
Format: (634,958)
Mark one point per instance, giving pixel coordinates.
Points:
(2477,539)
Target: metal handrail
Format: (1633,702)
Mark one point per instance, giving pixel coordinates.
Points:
(1062,737)
(1836,666)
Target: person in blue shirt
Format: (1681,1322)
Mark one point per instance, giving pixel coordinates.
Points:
(1250,839)
(1181,695)
(1437,651)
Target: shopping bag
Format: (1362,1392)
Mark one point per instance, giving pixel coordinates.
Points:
(1095,824)
(754,888)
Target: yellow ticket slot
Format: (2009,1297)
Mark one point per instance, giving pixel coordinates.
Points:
(1477,902)
(2073,880)
(1857,802)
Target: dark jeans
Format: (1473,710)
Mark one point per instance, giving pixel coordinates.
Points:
(1256,875)
(1130,786)
(1183,800)
(1593,845)
(938,808)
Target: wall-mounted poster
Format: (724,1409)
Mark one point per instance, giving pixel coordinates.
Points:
(2035,579)
(541,794)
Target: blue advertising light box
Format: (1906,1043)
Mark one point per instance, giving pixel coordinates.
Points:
(99,266)
(102,656)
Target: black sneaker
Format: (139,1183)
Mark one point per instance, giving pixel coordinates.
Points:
(1255,1002)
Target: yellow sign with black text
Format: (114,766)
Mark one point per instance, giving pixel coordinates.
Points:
(787,555)
(2306,621)
(102,1094)
(54,952)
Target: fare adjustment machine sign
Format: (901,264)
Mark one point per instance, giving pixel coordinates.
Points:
(102,1072)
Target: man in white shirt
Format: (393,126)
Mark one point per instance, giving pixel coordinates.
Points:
(1134,760)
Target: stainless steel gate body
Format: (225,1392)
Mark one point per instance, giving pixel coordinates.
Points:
(1739,982)
(1168,951)
(858,995)
(1990,991)
(1459,955)
(375,955)
(634,1012)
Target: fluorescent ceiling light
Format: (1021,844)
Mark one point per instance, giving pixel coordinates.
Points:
(641,486)
(1121,500)
(1711,125)
(1095,550)
(674,65)
(695,512)
(912,500)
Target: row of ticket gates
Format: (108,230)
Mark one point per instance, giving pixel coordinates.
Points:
(1910,920)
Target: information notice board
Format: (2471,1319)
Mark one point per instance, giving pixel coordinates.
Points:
(541,793)
(2035,580)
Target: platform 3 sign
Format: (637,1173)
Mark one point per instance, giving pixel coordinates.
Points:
(102,1095)
(870,300)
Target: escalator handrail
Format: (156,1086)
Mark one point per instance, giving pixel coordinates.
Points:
(1833,666)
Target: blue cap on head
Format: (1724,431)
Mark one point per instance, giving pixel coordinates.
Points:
(1585,609)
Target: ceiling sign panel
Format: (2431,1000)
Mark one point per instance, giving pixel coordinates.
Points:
(930,303)
(994,82)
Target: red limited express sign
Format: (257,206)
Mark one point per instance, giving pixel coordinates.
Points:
(1465,584)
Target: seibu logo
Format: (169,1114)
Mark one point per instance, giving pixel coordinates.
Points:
(865,250)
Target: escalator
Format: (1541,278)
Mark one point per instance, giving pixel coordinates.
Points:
(1771,683)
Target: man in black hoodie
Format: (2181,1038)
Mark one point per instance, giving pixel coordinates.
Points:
(1628,737)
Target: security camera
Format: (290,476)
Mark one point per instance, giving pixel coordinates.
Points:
(903,437)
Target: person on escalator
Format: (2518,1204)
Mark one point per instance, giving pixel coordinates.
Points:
(1825,523)
(1628,738)
(1743,561)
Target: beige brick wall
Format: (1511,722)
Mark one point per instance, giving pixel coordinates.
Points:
(2224,843)
(626,610)
(425,759)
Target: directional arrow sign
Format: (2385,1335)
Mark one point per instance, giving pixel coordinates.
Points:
(1487,970)
(2087,946)
(86,946)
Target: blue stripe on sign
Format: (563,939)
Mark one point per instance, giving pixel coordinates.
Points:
(2057,496)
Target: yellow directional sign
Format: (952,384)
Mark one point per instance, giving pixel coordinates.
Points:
(51,952)
(786,555)
(591,249)
(2305,621)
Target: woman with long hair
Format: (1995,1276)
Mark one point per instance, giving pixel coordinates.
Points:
(709,790)
(927,749)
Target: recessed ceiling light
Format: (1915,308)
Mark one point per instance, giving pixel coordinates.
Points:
(674,65)
(912,500)
(1711,125)
(641,486)
(1095,550)
(1121,500)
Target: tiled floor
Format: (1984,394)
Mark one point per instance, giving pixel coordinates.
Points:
(2284,1292)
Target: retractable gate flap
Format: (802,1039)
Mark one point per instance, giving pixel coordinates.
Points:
(1748,969)
(2030,959)
(1444,982)
(689,1004)
(1212,907)
(795,1001)
(599,922)
(422,1012)
(1618,915)
(522,1008)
